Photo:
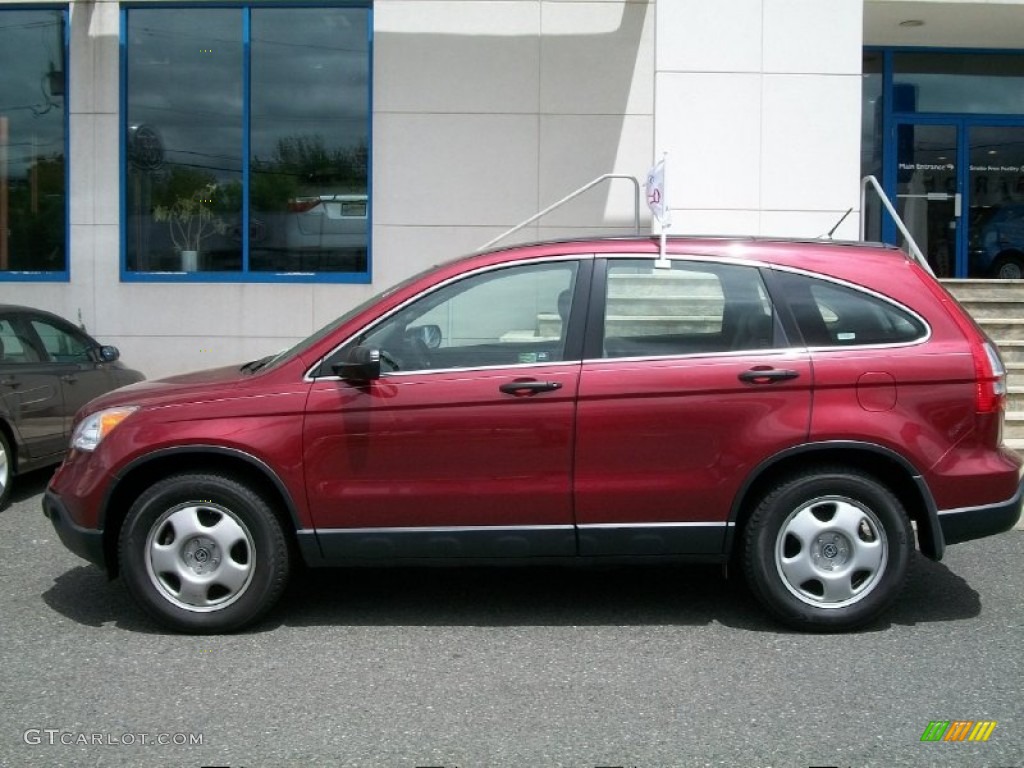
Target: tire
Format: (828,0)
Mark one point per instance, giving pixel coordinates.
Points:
(1008,267)
(203,554)
(6,469)
(827,550)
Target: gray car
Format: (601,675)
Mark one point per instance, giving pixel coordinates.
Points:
(48,370)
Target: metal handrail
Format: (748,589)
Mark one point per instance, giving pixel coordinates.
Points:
(573,195)
(915,251)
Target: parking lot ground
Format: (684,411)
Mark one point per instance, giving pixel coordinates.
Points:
(609,666)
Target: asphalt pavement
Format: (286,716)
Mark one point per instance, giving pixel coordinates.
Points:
(611,666)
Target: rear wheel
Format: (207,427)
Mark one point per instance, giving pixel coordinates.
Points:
(203,553)
(828,549)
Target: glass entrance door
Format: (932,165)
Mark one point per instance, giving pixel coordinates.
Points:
(960,191)
(929,193)
(995,236)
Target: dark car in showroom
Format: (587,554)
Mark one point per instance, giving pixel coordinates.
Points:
(997,241)
(806,412)
(48,370)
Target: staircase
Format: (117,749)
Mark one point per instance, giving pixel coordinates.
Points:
(998,306)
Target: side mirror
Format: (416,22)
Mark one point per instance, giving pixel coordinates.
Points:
(107,354)
(363,365)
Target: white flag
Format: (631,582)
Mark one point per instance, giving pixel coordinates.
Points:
(656,193)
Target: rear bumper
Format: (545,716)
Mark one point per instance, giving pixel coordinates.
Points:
(976,522)
(87,543)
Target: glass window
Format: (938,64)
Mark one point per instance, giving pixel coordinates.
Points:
(13,347)
(956,82)
(831,315)
(61,345)
(511,316)
(32,141)
(688,309)
(872,113)
(247,141)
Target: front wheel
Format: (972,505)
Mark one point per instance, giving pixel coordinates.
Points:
(828,549)
(203,553)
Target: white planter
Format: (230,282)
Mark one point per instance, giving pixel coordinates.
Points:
(189,261)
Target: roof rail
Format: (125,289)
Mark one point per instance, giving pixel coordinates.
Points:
(571,196)
(912,246)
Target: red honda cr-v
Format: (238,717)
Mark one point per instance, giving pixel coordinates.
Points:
(789,406)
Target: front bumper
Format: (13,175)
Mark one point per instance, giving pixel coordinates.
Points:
(976,522)
(87,543)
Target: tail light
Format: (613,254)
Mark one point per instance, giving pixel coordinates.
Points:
(989,378)
(303,204)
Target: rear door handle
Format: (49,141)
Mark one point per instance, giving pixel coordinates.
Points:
(767,375)
(522,388)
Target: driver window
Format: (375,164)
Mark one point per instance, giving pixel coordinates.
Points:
(60,344)
(509,316)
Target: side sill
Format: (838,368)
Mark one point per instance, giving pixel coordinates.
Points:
(389,544)
(690,542)
(653,539)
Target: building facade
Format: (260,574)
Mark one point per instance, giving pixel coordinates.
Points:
(206,183)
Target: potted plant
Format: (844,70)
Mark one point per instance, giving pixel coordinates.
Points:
(190,220)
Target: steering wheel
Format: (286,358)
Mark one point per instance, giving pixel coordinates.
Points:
(416,352)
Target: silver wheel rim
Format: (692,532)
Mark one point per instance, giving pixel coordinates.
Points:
(200,557)
(1011,270)
(5,474)
(831,552)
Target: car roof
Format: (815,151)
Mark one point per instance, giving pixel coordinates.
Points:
(854,260)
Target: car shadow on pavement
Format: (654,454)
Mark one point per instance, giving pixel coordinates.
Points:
(30,484)
(579,596)
(641,595)
(86,596)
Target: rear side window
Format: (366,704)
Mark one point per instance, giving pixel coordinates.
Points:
(831,315)
(692,308)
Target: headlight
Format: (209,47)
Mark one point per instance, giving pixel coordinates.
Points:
(91,430)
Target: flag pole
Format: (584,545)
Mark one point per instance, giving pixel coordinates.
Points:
(665,217)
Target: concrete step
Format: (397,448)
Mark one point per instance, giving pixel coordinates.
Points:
(1014,398)
(1016,443)
(1014,374)
(647,306)
(1011,351)
(663,284)
(995,308)
(1013,425)
(1003,329)
(968,290)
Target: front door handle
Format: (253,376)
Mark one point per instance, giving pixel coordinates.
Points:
(767,375)
(10,381)
(531,387)
(69,378)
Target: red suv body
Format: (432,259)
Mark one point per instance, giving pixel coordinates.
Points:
(788,406)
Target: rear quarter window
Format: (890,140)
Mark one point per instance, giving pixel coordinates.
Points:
(833,315)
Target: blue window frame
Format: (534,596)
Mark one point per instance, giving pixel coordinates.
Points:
(246,144)
(33,144)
